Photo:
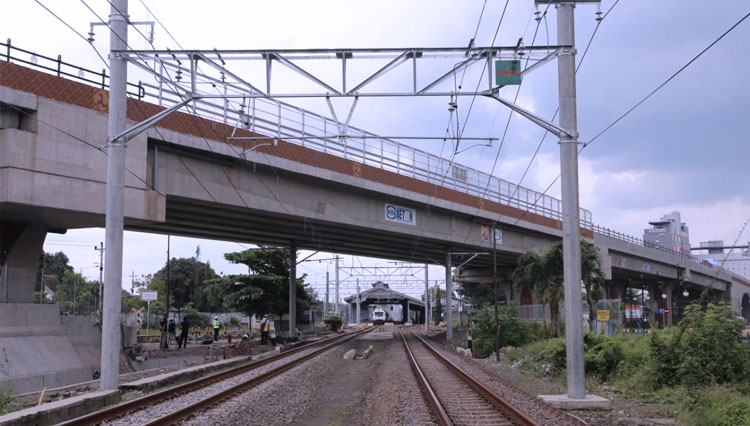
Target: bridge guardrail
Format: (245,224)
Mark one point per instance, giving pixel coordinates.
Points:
(279,119)
(638,241)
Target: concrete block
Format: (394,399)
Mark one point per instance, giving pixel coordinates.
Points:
(60,411)
(589,402)
(350,354)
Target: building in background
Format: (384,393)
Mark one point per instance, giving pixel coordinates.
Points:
(735,259)
(670,233)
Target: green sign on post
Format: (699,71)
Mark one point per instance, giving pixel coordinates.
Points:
(507,72)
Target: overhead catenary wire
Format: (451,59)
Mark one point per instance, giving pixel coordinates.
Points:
(639,103)
(448,169)
(198,128)
(138,106)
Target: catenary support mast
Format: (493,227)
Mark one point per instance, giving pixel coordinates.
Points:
(571,224)
(293,290)
(110,354)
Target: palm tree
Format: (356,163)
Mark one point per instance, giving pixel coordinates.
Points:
(553,260)
(592,276)
(543,276)
(532,272)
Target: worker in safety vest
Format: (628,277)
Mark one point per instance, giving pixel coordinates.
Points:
(265,327)
(216,328)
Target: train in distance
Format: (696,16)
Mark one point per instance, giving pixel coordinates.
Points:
(378,316)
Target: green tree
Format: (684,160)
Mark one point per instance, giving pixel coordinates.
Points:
(75,290)
(482,294)
(187,279)
(266,288)
(131,303)
(51,264)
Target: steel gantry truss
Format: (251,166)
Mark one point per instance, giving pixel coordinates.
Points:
(225,84)
(215,75)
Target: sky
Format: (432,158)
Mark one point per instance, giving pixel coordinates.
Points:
(684,149)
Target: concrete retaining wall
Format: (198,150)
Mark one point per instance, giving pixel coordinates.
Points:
(37,349)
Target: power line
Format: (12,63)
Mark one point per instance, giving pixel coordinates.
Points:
(644,99)
(665,82)
(72,29)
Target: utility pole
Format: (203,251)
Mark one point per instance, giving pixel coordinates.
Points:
(571,231)
(448,298)
(358,313)
(292,290)
(325,309)
(115,204)
(426,298)
(164,337)
(132,283)
(494,295)
(41,285)
(336,306)
(100,249)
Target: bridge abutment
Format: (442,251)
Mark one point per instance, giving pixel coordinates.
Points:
(22,244)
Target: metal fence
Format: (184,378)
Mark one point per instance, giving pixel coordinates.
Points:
(537,312)
(281,120)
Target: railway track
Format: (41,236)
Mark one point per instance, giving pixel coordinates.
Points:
(456,397)
(213,389)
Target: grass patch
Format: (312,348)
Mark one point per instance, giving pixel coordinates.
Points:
(716,406)
(8,401)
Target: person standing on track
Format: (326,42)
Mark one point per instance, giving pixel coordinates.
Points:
(216,328)
(265,327)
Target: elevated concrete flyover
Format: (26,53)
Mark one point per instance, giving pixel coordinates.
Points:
(628,263)
(188,177)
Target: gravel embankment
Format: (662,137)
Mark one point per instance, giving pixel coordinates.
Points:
(159,410)
(531,405)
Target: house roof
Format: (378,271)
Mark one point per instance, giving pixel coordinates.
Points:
(381,293)
(51,282)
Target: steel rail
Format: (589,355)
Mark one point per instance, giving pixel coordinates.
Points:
(203,404)
(479,387)
(440,413)
(124,408)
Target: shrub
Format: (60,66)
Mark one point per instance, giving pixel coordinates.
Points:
(189,313)
(705,348)
(8,401)
(513,330)
(719,406)
(334,321)
(550,351)
(602,355)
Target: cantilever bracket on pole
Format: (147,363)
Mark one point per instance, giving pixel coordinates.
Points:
(550,127)
(147,123)
(468,260)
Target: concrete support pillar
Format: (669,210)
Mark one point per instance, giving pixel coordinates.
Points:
(292,290)
(426,298)
(18,274)
(448,296)
(668,288)
(654,293)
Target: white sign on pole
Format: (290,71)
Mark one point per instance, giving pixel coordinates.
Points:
(149,296)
